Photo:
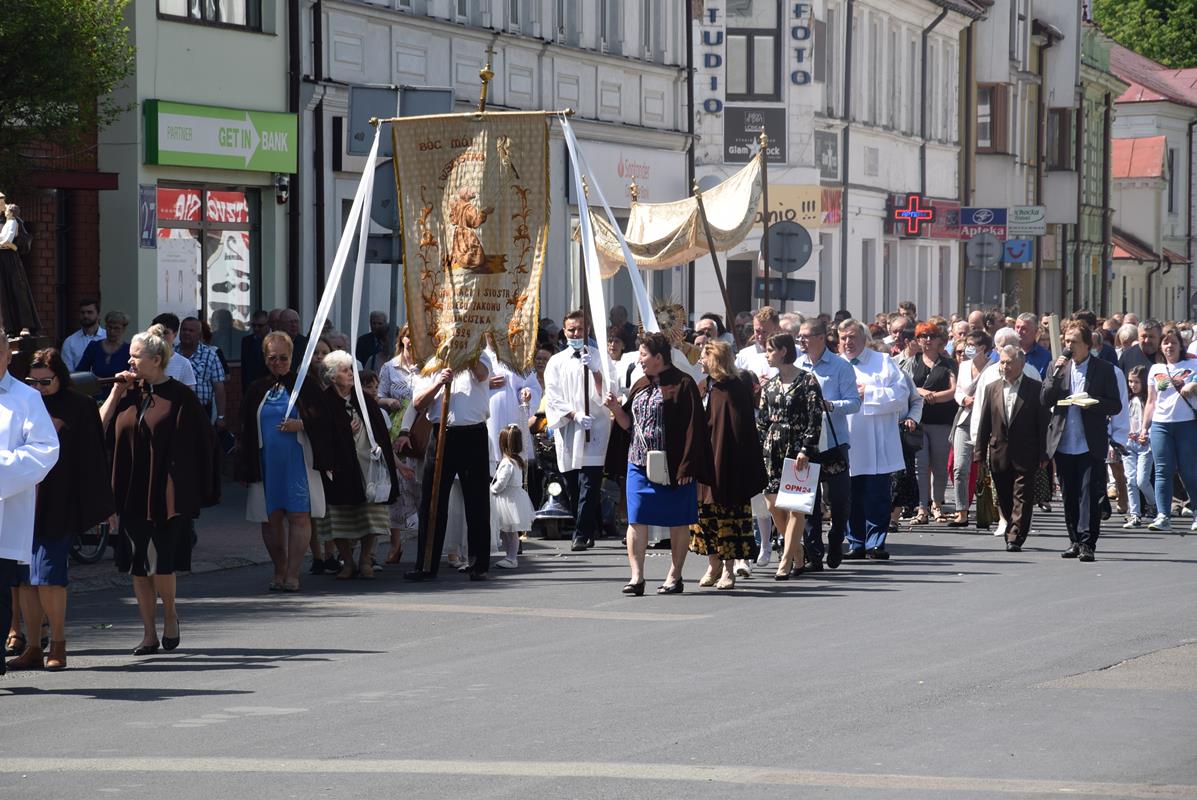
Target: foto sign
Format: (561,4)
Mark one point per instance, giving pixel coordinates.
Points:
(185,135)
(975,221)
(1027,221)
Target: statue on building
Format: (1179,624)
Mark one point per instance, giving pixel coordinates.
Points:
(18,315)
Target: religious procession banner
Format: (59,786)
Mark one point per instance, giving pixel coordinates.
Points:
(662,235)
(473,194)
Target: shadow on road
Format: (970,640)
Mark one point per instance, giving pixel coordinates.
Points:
(131,694)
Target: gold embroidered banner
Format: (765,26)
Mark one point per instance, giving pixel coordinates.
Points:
(473,198)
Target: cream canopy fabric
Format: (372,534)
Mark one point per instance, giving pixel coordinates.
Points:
(662,235)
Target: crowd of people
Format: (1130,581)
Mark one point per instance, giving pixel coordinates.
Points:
(729,443)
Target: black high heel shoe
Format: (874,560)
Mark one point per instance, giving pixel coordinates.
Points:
(171,642)
(677,587)
(635,589)
(146,649)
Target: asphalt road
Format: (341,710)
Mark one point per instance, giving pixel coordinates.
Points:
(954,670)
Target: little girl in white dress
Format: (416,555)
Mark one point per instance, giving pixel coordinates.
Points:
(509,500)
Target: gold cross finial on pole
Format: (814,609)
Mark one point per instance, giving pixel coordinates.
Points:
(486,74)
(634,191)
(764,140)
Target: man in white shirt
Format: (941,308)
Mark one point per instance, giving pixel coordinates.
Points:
(178,368)
(466,456)
(28,451)
(874,444)
(581,426)
(765,323)
(89,331)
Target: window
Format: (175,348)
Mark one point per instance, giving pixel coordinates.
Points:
(991,118)
(753,45)
(875,61)
(208,257)
(238,13)
(912,82)
(831,62)
(930,111)
(1059,139)
(567,21)
(611,26)
(892,97)
(951,71)
(1171,167)
(513,14)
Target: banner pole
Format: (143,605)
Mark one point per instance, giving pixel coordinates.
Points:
(706,226)
(486,74)
(764,138)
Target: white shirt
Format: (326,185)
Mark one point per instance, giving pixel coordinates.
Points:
(1193,347)
(8,233)
(1009,395)
(1169,405)
(565,393)
(469,400)
(74,345)
(179,368)
(505,407)
(987,377)
(1119,424)
(876,448)
(28,451)
(753,359)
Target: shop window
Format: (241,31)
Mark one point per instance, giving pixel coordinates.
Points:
(235,13)
(753,46)
(208,257)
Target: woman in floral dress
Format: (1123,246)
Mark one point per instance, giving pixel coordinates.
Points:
(789,421)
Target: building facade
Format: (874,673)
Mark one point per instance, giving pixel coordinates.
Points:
(618,64)
(198,225)
(862,104)
(1158,110)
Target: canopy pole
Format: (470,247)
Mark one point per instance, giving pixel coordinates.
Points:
(585,326)
(764,139)
(706,227)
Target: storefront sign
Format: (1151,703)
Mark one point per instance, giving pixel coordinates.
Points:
(947,220)
(913,215)
(830,207)
(1018,251)
(944,225)
(827,155)
(660,175)
(1027,221)
(974,221)
(711,60)
(790,203)
(184,135)
(800,41)
(742,128)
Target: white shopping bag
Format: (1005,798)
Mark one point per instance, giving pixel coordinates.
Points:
(798,486)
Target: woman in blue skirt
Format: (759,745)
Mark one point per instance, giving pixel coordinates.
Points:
(670,450)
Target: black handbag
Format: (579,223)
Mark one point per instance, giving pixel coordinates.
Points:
(912,440)
(833,457)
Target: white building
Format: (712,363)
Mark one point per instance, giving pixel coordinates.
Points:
(616,63)
(899,126)
(1153,198)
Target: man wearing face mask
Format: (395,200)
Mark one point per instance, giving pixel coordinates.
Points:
(976,359)
(580,423)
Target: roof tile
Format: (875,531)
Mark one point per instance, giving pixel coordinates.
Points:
(1139,158)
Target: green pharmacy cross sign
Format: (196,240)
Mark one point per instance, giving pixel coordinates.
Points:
(179,134)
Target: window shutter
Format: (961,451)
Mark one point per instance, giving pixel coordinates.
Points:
(820,35)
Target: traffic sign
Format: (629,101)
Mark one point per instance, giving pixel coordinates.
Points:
(799,291)
(1027,221)
(974,221)
(790,246)
(1018,251)
(984,250)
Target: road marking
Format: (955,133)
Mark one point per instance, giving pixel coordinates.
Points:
(602,770)
(502,611)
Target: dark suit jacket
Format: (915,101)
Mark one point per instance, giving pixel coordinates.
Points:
(1020,442)
(1100,385)
(253,363)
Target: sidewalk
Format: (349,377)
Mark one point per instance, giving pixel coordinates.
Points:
(226,541)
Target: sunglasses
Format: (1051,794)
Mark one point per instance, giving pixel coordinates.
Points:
(39,381)
(277,359)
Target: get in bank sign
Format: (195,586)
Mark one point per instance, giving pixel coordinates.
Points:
(181,134)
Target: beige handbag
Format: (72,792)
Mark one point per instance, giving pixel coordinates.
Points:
(656,467)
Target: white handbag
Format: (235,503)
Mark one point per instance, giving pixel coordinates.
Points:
(656,467)
(378,478)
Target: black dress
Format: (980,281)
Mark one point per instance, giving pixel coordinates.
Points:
(16,298)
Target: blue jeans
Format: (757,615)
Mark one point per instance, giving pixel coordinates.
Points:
(1137,463)
(1167,440)
(869,522)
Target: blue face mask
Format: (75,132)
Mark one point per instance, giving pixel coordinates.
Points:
(970,351)
(576,344)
